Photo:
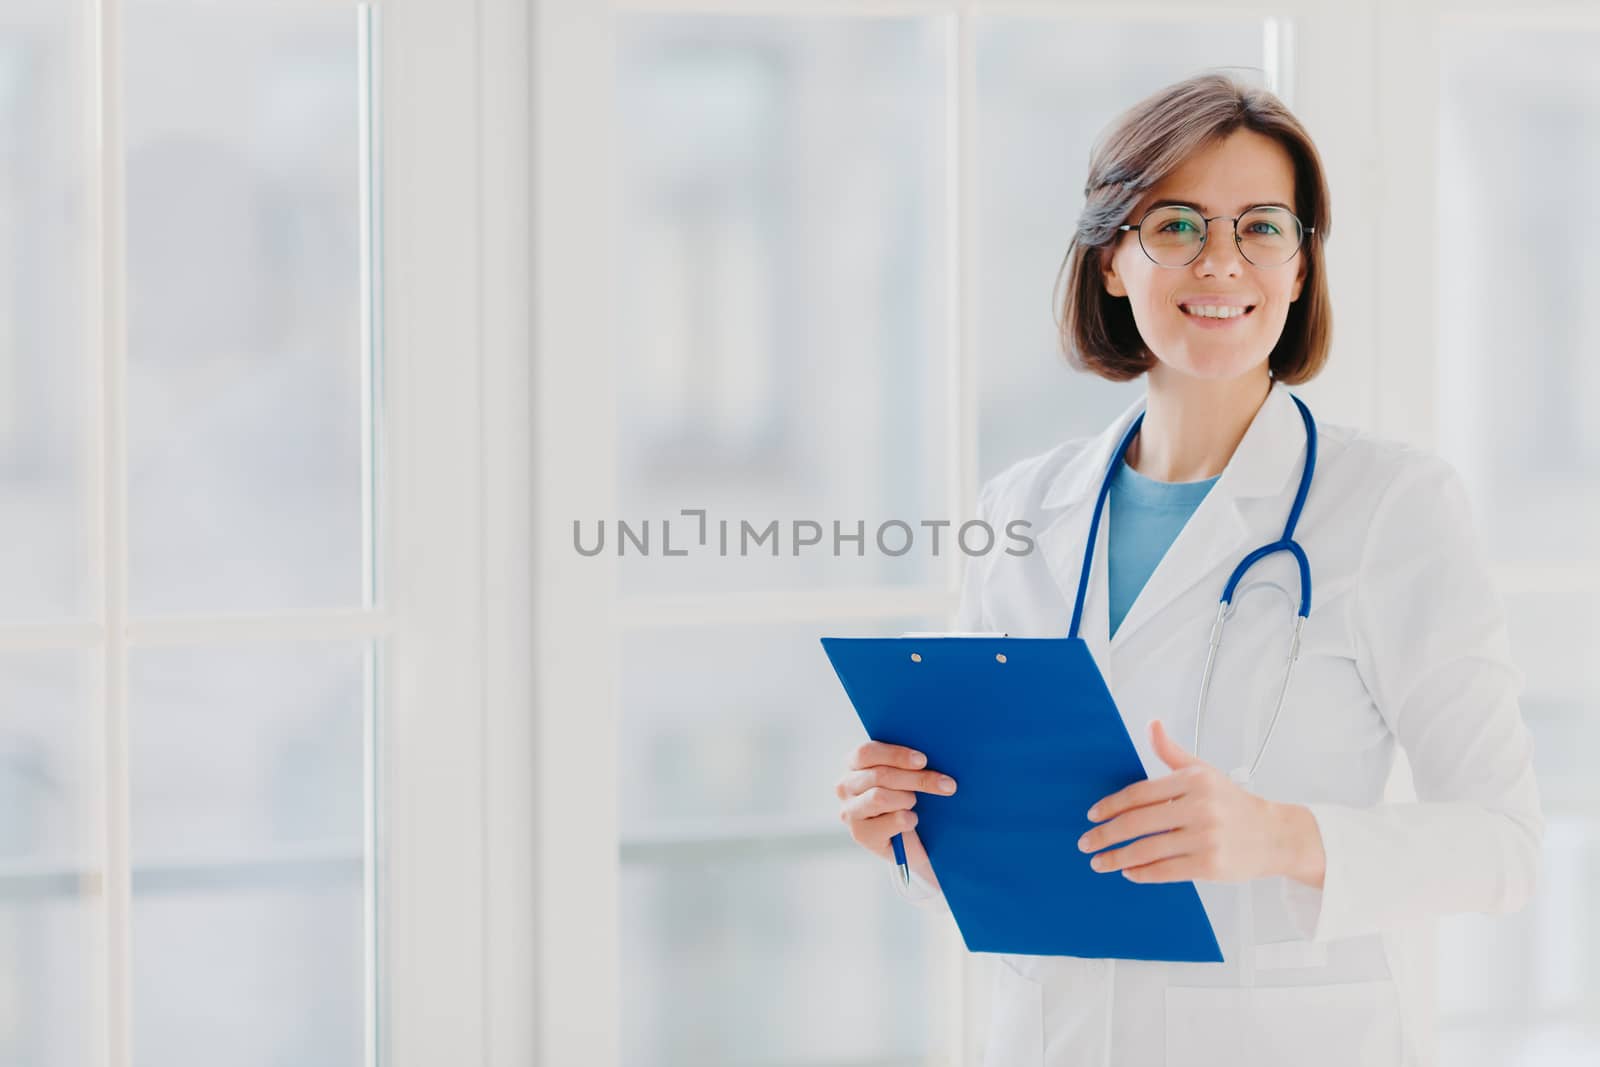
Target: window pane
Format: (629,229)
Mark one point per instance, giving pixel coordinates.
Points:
(46,315)
(244,306)
(765,959)
(249,977)
(246,770)
(736,723)
(1045,89)
(1520,368)
(780,310)
(734,737)
(49,866)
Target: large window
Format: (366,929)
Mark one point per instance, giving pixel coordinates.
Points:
(189,590)
(781,355)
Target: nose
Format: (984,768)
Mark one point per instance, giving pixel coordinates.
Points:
(1220,255)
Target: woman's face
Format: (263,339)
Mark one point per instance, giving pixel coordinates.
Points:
(1243,170)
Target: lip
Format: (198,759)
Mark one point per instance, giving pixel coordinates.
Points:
(1213,300)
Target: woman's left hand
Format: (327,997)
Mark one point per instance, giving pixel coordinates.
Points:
(1203,825)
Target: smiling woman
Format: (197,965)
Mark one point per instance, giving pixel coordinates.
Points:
(1313,885)
(1232,156)
(1174,235)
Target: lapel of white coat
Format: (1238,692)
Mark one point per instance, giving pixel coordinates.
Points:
(1067,507)
(1269,453)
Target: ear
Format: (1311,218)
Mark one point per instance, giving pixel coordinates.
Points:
(1108,273)
(1299,278)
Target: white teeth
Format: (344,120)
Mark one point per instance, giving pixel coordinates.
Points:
(1214,311)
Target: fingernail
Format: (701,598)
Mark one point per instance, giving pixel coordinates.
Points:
(1098,863)
(1094,812)
(1083,843)
(947,785)
(918,760)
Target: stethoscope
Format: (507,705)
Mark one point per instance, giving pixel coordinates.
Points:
(1225,609)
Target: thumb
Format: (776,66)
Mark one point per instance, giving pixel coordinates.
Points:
(1171,753)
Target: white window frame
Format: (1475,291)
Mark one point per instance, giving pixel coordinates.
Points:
(111,631)
(458,842)
(452,974)
(432,560)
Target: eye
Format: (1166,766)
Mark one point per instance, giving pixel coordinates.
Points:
(1167,227)
(1267,229)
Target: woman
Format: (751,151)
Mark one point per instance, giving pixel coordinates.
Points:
(1198,263)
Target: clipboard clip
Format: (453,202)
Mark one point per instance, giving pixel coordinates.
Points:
(949,633)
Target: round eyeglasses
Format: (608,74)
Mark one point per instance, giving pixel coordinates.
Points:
(1173,235)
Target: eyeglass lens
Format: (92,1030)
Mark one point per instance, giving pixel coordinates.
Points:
(1172,236)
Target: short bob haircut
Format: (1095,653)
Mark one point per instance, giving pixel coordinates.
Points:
(1144,145)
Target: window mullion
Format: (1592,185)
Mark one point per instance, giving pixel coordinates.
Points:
(108,537)
(1406,68)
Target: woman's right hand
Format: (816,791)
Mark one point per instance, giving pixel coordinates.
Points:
(876,796)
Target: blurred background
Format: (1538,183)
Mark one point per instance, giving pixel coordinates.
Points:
(778,264)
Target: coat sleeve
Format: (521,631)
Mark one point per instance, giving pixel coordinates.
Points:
(1432,650)
(969,617)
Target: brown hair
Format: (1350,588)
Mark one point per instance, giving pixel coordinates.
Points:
(1147,142)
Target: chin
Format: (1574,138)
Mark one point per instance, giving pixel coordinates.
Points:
(1219,367)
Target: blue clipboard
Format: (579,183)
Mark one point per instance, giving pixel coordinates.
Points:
(1029,731)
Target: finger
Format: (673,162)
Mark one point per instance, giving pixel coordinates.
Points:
(875,802)
(872,753)
(1137,795)
(1150,819)
(1172,754)
(1174,869)
(1145,851)
(896,778)
(876,832)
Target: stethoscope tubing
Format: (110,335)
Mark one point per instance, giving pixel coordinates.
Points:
(1225,608)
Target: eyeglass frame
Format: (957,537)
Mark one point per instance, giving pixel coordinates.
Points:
(1206,236)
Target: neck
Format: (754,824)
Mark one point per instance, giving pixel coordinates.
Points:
(1192,426)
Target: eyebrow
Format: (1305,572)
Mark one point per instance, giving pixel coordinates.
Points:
(1202,210)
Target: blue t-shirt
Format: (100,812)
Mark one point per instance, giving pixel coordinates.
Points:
(1146,516)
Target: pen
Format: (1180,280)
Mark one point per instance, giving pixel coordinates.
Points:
(899,847)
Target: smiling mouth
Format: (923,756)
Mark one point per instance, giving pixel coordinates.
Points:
(1216,312)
